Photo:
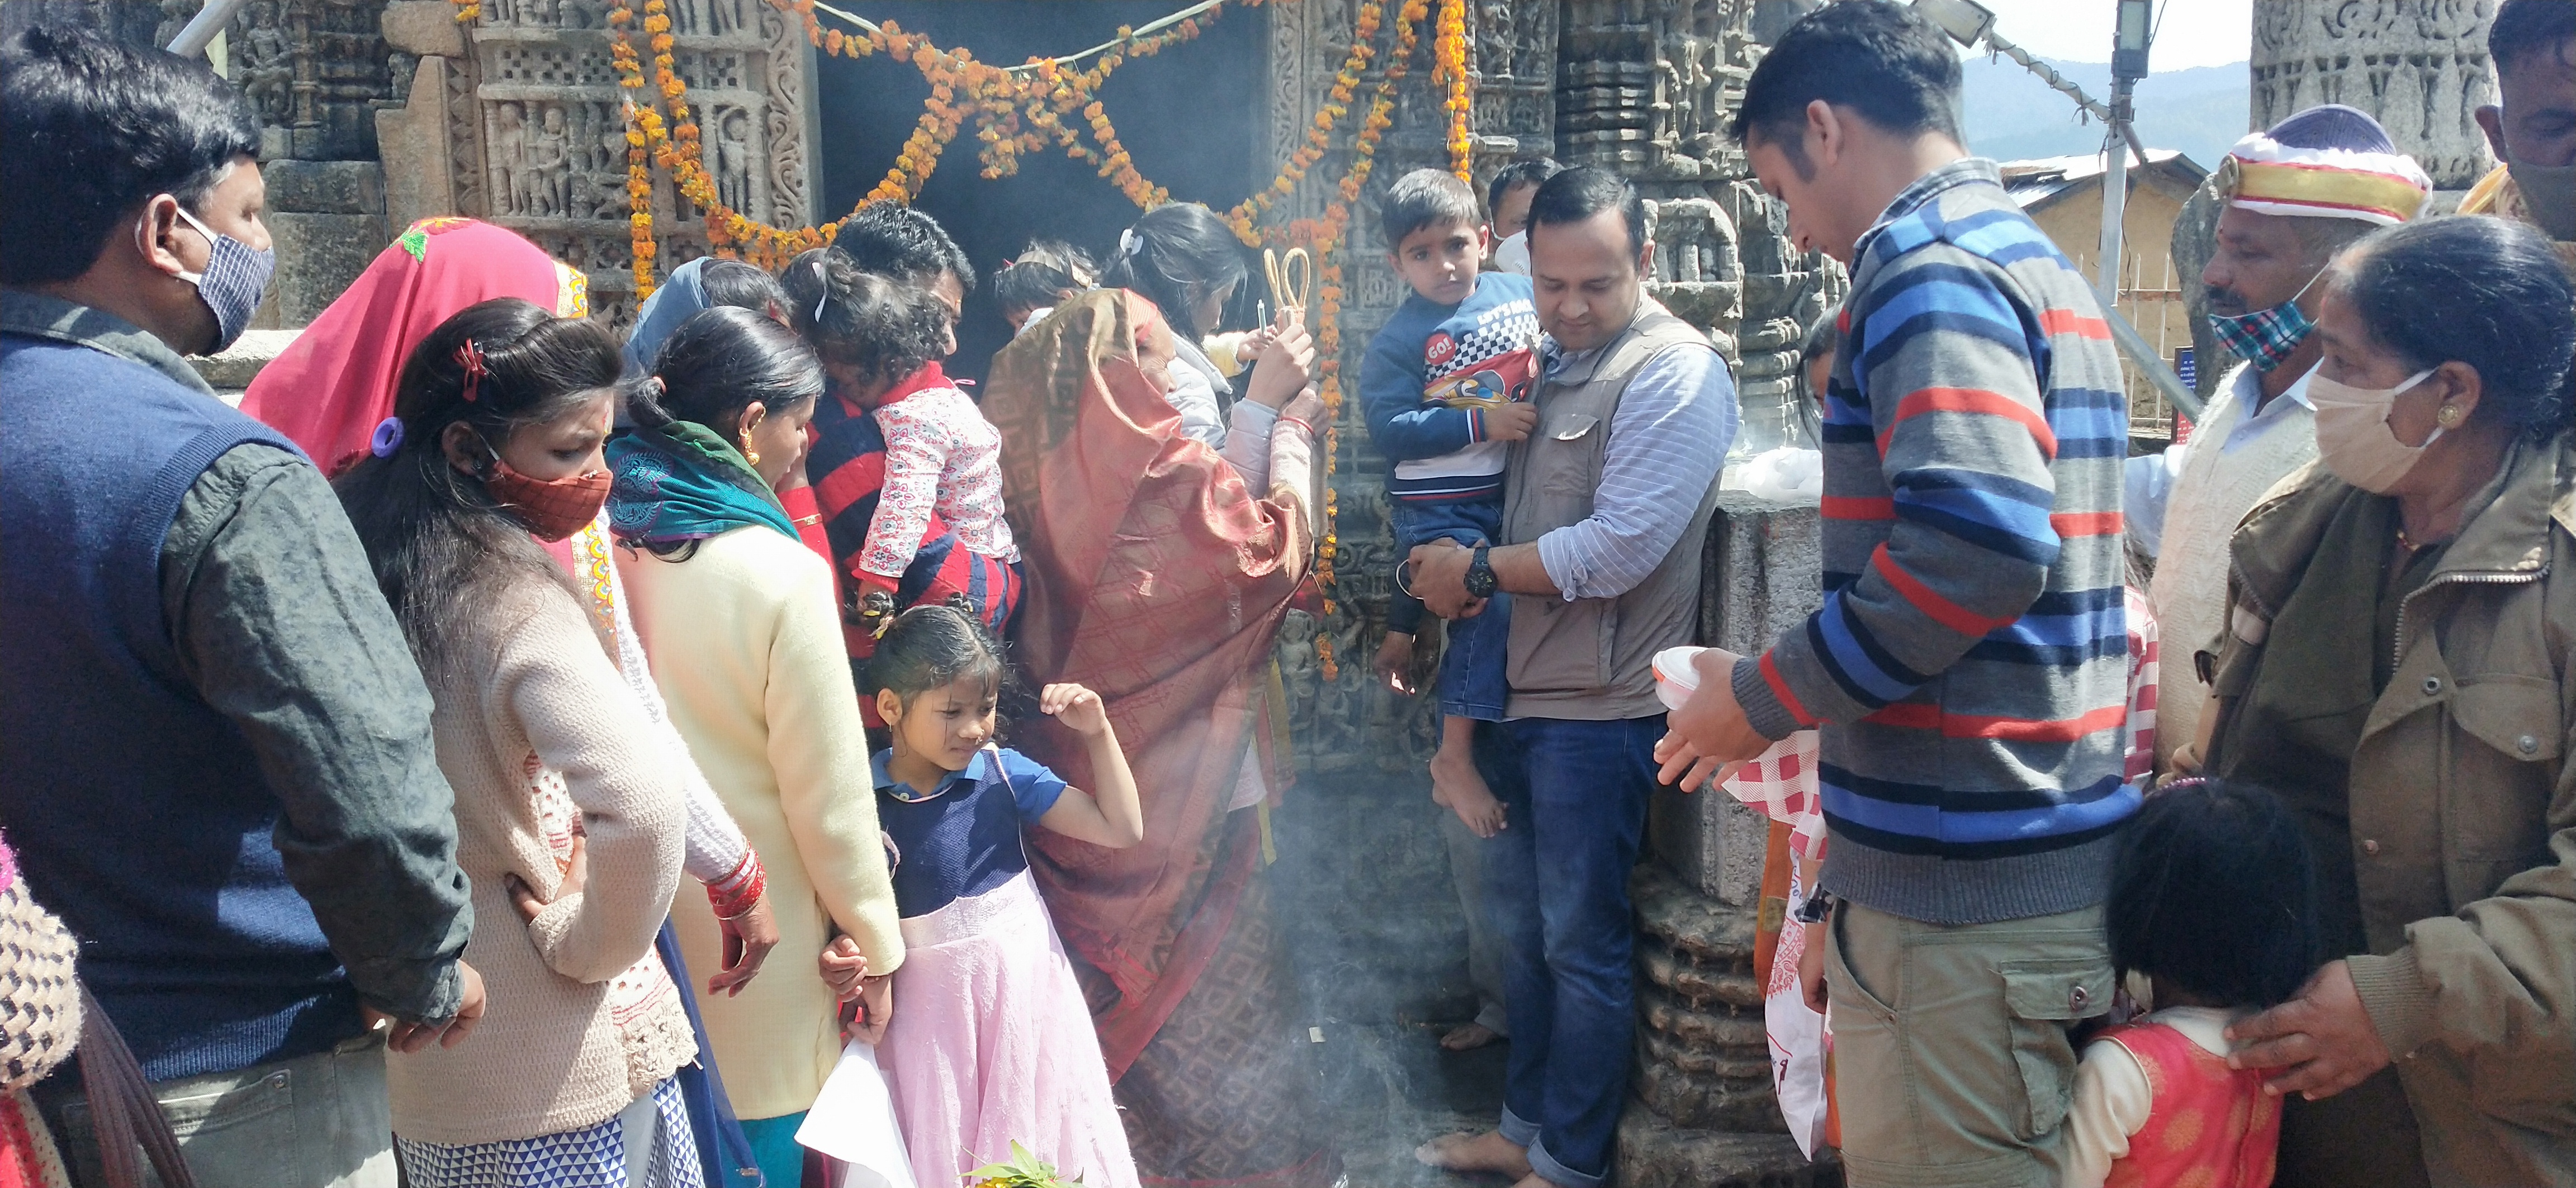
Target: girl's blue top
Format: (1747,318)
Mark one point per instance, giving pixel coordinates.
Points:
(962,838)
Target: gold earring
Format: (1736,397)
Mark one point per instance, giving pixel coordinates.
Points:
(749,454)
(2449,417)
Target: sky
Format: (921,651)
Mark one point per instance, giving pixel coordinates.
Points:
(2193,32)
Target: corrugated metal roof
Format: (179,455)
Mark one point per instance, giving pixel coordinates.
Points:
(2041,180)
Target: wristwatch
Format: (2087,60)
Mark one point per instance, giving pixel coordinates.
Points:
(1816,908)
(1481,582)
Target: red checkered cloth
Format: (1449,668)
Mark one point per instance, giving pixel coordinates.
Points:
(2141,755)
(1782,783)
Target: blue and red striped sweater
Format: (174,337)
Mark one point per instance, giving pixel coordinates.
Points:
(1969,665)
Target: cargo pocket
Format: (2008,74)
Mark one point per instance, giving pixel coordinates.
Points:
(2044,998)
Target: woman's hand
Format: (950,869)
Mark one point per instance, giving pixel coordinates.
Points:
(1287,365)
(1307,409)
(748,938)
(576,873)
(2323,1037)
(843,967)
(1080,709)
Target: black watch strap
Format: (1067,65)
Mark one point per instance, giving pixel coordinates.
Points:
(1816,908)
(1481,581)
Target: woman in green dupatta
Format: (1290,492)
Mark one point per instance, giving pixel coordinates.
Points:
(739,622)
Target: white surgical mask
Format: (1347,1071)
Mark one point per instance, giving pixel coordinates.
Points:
(2354,438)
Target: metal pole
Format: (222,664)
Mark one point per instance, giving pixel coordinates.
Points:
(2115,196)
(202,27)
(2151,364)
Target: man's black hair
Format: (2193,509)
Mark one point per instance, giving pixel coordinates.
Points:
(1531,172)
(1424,198)
(893,240)
(2524,29)
(2213,891)
(1584,191)
(90,130)
(1879,59)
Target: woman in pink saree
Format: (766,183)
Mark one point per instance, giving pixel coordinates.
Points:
(1158,572)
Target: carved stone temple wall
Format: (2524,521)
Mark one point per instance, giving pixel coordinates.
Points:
(518,119)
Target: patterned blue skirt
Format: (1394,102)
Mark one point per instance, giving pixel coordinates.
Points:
(592,1157)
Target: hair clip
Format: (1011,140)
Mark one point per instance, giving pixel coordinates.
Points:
(470,357)
(823,281)
(388,438)
(1130,243)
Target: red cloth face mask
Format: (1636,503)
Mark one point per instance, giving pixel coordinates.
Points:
(552,509)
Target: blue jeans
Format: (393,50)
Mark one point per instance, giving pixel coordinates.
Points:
(1472,684)
(1556,891)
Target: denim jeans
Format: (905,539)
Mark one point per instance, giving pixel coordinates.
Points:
(318,1121)
(1556,885)
(1472,684)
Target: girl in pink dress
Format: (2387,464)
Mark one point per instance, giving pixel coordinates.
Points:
(990,1043)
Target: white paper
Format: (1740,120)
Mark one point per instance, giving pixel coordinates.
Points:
(853,1121)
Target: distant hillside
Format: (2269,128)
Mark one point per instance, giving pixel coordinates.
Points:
(2012,115)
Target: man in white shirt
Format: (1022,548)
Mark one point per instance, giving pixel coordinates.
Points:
(2295,196)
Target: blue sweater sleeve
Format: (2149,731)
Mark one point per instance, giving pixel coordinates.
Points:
(1403,427)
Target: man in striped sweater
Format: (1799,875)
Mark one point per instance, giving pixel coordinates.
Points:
(1969,664)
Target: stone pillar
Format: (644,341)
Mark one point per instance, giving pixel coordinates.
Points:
(1705,1113)
(2419,66)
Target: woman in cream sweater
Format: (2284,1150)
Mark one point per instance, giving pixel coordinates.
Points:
(739,620)
(571,837)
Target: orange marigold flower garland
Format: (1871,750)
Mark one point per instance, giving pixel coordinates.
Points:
(1326,235)
(1449,70)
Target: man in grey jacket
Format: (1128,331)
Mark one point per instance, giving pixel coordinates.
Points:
(1606,509)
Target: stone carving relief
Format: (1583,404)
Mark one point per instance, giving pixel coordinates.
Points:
(534,129)
(2419,66)
(314,69)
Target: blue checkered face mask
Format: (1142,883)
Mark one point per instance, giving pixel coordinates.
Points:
(2265,337)
(235,279)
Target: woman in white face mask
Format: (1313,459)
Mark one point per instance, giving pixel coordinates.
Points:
(2400,668)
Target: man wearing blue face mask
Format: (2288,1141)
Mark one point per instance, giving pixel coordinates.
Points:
(215,758)
(2295,196)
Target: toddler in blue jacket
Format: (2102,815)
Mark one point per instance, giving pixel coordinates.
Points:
(1447,387)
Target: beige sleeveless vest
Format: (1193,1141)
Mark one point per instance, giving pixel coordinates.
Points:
(2209,499)
(1589,659)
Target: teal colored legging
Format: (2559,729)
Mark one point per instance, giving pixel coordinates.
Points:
(773,1143)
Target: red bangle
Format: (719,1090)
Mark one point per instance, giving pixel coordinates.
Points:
(734,895)
(1310,430)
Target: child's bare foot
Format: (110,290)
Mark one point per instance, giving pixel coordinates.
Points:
(1455,782)
(1487,1152)
(1468,1038)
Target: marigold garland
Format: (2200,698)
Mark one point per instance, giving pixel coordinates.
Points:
(1324,236)
(1450,70)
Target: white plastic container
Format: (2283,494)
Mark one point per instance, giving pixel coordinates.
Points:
(1676,675)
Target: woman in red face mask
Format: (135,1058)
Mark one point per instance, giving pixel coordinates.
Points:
(566,821)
